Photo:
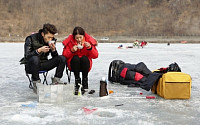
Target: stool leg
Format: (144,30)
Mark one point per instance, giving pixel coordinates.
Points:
(68,75)
(45,78)
(30,85)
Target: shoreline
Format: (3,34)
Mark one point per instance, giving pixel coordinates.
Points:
(122,39)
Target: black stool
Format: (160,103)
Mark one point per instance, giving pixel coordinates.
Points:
(40,72)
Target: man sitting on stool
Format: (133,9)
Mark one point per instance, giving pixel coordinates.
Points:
(36,51)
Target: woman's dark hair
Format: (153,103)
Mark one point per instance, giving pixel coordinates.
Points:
(78,30)
(49,28)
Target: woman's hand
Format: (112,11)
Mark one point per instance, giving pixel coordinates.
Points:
(87,45)
(74,48)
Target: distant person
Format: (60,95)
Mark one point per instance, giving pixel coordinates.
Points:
(143,43)
(120,46)
(79,50)
(37,48)
(136,43)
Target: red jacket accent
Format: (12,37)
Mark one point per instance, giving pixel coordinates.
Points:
(70,42)
(143,43)
(138,76)
(123,73)
(163,70)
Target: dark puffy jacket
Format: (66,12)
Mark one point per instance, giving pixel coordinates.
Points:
(138,75)
(32,43)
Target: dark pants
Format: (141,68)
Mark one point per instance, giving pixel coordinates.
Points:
(80,65)
(34,66)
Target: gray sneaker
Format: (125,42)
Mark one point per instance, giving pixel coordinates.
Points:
(56,81)
(35,85)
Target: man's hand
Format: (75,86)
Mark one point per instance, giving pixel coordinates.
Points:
(52,47)
(43,49)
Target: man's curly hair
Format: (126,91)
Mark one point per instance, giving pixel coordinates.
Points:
(49,28)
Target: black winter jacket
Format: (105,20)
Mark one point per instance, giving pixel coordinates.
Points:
(149,78)
(32,43)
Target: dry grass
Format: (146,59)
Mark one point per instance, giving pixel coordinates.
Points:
(19,18)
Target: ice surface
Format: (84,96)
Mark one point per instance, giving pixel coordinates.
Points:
(19,106)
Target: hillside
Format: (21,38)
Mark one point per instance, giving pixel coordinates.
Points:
(19,18)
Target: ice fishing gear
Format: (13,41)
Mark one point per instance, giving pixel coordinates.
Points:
(79,90)
(119,105)
(114,73)
(173,67)
(88,111)
(173,85)
(136,97)
(103,87)
(111,91)
(91,92)
(31,105)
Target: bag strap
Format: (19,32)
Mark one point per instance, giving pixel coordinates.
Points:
(109,72)
(156,84)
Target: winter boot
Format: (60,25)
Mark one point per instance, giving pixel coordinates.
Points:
(77,81)
(35,85)
(85,83)
(56,81)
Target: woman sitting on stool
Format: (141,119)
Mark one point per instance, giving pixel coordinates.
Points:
(79,50)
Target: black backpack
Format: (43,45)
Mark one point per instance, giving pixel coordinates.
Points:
(114,73)
(173,67)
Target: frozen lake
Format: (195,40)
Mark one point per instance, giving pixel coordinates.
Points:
(15,92)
